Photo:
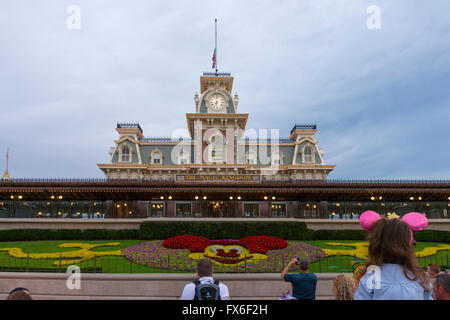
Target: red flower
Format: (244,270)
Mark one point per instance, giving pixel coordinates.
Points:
(255,244)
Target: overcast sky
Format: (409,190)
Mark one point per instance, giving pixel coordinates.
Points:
(380,97)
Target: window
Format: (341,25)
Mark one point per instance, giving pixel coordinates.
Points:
(183,157)
(125,154)
(251,158)
(308,155)
(278,209)
(251,209)
(310,210)
(217,149)
(183,209)
(276,159)
(156,209)
(156,158)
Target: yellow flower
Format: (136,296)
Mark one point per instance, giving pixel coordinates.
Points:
(361,250)
(70,257)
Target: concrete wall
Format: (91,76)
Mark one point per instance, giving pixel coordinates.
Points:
(133,223)
(52,286)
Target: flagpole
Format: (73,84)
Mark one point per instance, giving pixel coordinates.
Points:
(7,158)
(216,43)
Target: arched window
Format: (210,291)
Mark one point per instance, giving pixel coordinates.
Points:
(156,157)
(308,155)
(276,159)
(251,158)
(216,149)
(125,154)
(183,157)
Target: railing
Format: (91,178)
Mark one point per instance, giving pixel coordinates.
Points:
(166,139)
(129,125)
(171,264)
(216,74)
(312,181)
(303,126)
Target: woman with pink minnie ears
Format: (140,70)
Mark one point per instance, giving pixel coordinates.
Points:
(394,272)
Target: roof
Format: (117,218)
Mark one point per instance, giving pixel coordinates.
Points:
(307,190)
(129,125)
(304,127)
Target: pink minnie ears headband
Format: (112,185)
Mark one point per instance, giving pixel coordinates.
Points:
(416,221)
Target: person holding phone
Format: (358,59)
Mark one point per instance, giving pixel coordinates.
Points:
(303,283)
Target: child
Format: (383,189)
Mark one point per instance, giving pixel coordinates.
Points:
(343,287)
(391,249)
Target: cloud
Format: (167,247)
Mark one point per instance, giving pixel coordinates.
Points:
(379,97)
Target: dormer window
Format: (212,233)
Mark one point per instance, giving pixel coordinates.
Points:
(156,157)
(125,154)
(183,157)
(276,159)
(308,155)
(251,158)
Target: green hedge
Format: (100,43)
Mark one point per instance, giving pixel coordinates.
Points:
(285,230)
(212,230)
(225,230)
(66,234)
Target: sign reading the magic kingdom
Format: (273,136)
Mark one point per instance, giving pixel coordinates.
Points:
(217,178)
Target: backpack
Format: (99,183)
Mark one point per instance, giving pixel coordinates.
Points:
(207,290)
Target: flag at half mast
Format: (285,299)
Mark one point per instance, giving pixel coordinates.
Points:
(214,59)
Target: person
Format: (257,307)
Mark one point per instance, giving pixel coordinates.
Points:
(433,270)
(391,249)
(19,294)
(303,283)
(442,286)
(205,287)
(344,287)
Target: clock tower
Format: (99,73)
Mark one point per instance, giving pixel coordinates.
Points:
(216,126)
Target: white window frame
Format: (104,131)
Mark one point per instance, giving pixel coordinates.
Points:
(152,157)
(121,154)
(280,155)
(305,157)
(183,155)
(210,149)
(247,158)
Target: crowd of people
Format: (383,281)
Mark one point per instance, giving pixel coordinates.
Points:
(393,273)
(391,253)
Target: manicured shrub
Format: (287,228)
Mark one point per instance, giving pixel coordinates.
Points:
(66,234)
(211,230)
(225,230)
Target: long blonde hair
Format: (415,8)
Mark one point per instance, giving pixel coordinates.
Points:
(343,287)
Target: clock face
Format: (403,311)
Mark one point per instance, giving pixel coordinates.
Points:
(216,102)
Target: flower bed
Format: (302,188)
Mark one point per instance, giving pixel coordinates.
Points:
(154,254)
(255,244)
(69,257)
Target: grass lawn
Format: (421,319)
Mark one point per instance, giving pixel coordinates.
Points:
(117,264)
